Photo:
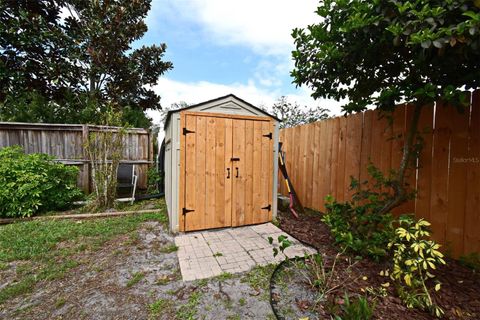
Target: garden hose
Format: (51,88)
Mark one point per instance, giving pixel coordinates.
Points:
(277,268)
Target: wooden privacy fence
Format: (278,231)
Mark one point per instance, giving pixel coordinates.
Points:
(322,156)
(66,143)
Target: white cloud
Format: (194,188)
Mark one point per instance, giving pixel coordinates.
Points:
(172,91)
(263,25)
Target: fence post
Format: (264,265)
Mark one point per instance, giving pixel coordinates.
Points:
(85,173)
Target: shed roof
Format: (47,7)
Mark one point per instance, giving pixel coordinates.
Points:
(170,112)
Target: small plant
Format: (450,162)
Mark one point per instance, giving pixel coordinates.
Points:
(34,183)
(136,278)
(320,275)
(169,248)
(153,179)
(358,309)
(358,226)
(105,149)
(283,242)
(414,258)
(218,254)
(158,307)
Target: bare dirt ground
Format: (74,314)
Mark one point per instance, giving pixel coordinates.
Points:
(136,276)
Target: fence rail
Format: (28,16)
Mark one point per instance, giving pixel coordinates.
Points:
(65,142)
(322,156)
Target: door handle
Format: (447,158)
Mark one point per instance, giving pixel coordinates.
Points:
(228,173)
(237,172)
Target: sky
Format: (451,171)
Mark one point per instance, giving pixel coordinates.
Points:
(220,47)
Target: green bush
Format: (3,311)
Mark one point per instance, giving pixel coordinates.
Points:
(34,183)
(357,226)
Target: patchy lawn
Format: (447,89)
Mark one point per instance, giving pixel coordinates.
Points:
(115,268)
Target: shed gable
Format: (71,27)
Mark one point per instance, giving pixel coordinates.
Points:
(227,105)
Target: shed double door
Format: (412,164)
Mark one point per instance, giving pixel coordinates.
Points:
(226,170)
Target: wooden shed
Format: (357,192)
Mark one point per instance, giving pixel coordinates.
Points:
(220,165)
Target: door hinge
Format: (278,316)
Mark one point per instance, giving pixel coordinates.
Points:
(270,136)
(185,211)
(186,131)
(269,207)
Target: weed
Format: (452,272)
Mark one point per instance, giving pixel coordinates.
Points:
(169,248)
(188,311)
(259,277)
(218,254)
(136,278)
(3,266)
(158,307)
(202,282)
(359,309)
(60,302)
(242,301)
(234,317)
(224,276)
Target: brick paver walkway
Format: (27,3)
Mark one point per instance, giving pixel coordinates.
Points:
(206,254)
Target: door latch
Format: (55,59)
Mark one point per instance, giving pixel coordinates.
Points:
(269,207)
(185,211)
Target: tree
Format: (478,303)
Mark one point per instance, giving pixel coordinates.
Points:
(32,50)
(385,52)
(292,114)
(97,65)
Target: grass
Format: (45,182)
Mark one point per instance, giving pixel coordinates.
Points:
(259,277)
(48,247)
(136,278)
(159,307)
(169,248)
(188,311)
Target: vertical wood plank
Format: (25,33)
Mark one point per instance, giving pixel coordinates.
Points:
(266,175)
(353,151)
(249,186)
(220,174)
(439,191)
(228,164)
(238,194)
(424,176)
(365,156)
(210,174)
(198,220)
(257,171)
(309,152)
(457,186)
(341,160)
(472,205)
(334,167)
(270,171)
(316,198)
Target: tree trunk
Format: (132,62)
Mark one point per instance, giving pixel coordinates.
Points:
(400,194)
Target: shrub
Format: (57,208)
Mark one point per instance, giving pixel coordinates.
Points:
(357,226)
(414,258)
(34,183)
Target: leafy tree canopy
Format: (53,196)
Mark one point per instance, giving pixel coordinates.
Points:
(68,69)
(386,51)
(383,52)
(292,114)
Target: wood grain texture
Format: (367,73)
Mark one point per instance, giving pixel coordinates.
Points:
(66,143)
(446,178)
